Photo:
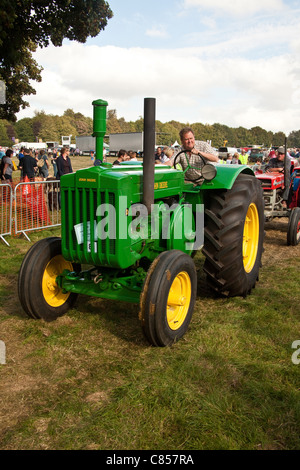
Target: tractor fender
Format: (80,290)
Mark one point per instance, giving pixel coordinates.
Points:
(226,176)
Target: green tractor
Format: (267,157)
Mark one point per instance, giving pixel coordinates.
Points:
(129,233)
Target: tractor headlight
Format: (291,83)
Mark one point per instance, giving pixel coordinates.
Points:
(209,172)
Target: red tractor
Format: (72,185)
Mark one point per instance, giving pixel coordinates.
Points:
(273,185)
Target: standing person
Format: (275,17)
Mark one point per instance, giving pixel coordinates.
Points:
(159,154)
(167,155)
(43,169)
(236,159)
(190,156)
(53,161)
(7,165)
(243,157)
(20,156)
(63,163)
(122,156)
(28,165)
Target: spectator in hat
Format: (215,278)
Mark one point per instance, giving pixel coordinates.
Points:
(277,165)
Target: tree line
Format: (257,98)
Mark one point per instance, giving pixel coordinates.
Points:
(47,127)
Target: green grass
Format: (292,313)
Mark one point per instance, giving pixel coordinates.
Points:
(90,380)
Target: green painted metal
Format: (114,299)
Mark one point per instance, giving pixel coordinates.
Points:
(99,125)
(107,284)
(226,176)
(98,219)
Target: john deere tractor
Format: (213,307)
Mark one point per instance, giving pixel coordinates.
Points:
(129,233)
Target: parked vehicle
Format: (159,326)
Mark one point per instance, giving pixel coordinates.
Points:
(273,185)
(255,155)
(225,151)
(128,141)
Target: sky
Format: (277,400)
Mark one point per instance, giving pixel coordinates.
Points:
(234,62)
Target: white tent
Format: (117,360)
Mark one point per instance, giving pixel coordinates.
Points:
(176,144)
(30,145)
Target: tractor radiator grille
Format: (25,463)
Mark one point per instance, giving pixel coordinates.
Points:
(266,183)
(80,224)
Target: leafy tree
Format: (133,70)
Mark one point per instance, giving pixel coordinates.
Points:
(28,24)
(112,122)
(24,130)
(64,127)
(278,138)
(4,140)
(82,124)
(294,139)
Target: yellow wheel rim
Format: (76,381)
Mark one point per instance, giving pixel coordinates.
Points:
(52,293)
(179,300)
(250,238)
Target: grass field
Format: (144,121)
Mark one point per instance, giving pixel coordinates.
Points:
(91,381)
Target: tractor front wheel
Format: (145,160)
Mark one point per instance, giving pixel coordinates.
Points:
(293,232)
(39,293)
(168,298)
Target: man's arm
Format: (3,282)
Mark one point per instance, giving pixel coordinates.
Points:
(206,151)
(209,156)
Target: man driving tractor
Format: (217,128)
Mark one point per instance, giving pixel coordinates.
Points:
(193,155)
(277,165)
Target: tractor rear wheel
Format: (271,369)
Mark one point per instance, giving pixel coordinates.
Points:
(39,293)
(168,298)
(293,232)
(234,234)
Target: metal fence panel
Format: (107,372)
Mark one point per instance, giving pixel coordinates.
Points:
(37,206)
(5,211)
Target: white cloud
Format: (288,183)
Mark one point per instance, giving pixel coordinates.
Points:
(189,85)
(236,7)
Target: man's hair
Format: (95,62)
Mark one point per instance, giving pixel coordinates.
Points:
(63,150)
(122,153)
(184,131)
(9,153)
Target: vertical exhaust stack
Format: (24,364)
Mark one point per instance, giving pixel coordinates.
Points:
(99,125)
(149,150)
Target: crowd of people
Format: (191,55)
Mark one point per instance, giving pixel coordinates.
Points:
(35,164)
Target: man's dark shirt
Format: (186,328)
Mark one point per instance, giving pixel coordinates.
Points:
(28,164)
(276,163)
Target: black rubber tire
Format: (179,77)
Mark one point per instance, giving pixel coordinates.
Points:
(30,281)
(225,218)
(293,232)
(154,297)
(23,277)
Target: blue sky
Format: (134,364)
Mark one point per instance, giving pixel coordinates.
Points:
(234,62)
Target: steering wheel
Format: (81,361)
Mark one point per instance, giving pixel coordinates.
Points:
(197,167)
